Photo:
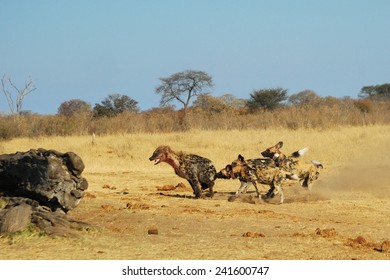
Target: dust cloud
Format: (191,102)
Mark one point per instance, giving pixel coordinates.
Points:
(360,176)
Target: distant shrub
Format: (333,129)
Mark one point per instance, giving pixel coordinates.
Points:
(364,105)
(73,107)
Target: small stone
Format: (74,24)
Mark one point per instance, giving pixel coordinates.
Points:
(153,230)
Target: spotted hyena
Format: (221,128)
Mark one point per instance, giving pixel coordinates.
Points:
(306,172)
(254,171)
(198,171)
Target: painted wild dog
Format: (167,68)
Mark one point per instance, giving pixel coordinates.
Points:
(234,171)
(198,171)
(279,157)
(306,172)
(253,171)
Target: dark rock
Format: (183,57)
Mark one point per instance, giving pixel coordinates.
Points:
(21,212)
(38,187)
(15,219)
(50,177)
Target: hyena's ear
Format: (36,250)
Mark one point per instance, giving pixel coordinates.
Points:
(241,158)
(279,145)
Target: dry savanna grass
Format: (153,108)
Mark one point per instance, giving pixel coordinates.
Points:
(143,211)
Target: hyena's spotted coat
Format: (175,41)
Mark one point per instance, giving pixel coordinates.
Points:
(198,171)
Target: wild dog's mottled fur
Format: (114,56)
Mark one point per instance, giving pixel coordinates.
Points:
(234,171)
(307,173)
(251,171)
(198,171)
(282,160)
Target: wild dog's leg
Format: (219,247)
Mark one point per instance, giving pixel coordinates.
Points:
(248,184)
(270,193)
(280,190)
(242,187)
(277,182)
(305,180)
(257,190)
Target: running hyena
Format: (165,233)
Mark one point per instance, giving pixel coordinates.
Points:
(198,171)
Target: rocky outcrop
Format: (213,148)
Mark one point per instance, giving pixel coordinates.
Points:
(39,187)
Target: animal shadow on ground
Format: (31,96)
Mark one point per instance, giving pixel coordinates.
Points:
(206,195)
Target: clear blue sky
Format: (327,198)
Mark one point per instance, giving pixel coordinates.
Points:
(90,49)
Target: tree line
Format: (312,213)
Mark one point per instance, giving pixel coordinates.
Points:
(193,87)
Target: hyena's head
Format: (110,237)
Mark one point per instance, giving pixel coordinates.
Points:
(161,154)
(274,152)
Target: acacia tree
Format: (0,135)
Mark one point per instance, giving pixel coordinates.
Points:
(183,86)
(115,104)
(16,106)
(268,99)
(376,92)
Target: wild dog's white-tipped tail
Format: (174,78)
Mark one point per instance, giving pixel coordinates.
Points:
(294,177)
(300,152)
(317,163)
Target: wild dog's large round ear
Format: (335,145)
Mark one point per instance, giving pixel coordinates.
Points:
(240,158)
(279,145)
(229,167)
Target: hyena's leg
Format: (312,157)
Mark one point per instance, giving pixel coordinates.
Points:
(196,187)
(207,180)
(209,186)
(211,190)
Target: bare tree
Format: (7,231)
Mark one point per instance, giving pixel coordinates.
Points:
(16,106)
(182,86)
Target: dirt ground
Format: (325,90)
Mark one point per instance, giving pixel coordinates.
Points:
(158,223)
(329,223)
(136,215)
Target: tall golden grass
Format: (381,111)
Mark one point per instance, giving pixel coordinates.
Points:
(325,116)
(130,152)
